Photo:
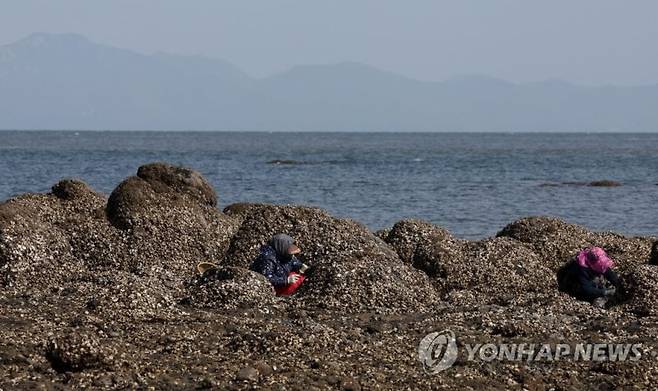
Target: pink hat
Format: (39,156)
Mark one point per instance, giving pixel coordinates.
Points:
(596,259)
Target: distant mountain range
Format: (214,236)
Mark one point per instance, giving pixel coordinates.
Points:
(64,81)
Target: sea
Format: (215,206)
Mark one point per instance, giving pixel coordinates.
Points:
(473,184)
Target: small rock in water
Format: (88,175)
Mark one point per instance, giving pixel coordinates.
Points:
(605,183)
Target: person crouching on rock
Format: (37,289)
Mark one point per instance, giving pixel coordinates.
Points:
(278,263)
(596,281)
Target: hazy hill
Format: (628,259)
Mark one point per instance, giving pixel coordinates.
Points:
(64,81)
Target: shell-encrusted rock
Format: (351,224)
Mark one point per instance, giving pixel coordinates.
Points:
(74,352)
(556,241)
(230,288)
(643,286)
(354,270)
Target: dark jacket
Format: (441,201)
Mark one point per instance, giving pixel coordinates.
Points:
(275,267)
(584,283)
(592,284)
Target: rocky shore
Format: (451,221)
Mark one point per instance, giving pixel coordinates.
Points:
(102,292)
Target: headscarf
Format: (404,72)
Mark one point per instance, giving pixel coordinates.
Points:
(596,259)
(281,243)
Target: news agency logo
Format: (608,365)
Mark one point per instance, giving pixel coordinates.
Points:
(438,351)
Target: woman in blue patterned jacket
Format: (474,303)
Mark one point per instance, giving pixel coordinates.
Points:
(278,263)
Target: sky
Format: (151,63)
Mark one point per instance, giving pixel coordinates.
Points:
(592,42)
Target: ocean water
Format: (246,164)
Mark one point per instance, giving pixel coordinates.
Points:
(472,184)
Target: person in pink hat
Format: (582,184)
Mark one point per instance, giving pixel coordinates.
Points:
(595,280)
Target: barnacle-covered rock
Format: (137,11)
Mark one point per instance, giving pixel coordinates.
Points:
(128,296)
(165,178)
(169,215)
(74,352)
(553,239)
(239,210)
(556,241)
(229,288)
(499,270)
(382,233)
(72,189)
(158,184)
(653,256)
(424,245)
(353,269)
(34,252)
(643,289)
(47,239)
(161,224)
(496,270)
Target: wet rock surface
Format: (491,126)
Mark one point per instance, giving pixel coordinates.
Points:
(104,294)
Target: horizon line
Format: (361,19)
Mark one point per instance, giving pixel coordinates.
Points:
(335,131)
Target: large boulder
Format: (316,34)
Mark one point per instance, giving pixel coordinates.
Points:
(34,250)
(92,239)
(553,239)
(48,239)
(498,270)
(170,217)
(424,245)
(73,189)
(354,269)
(154,228)
(130,203)
(164,178)
(556,242)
